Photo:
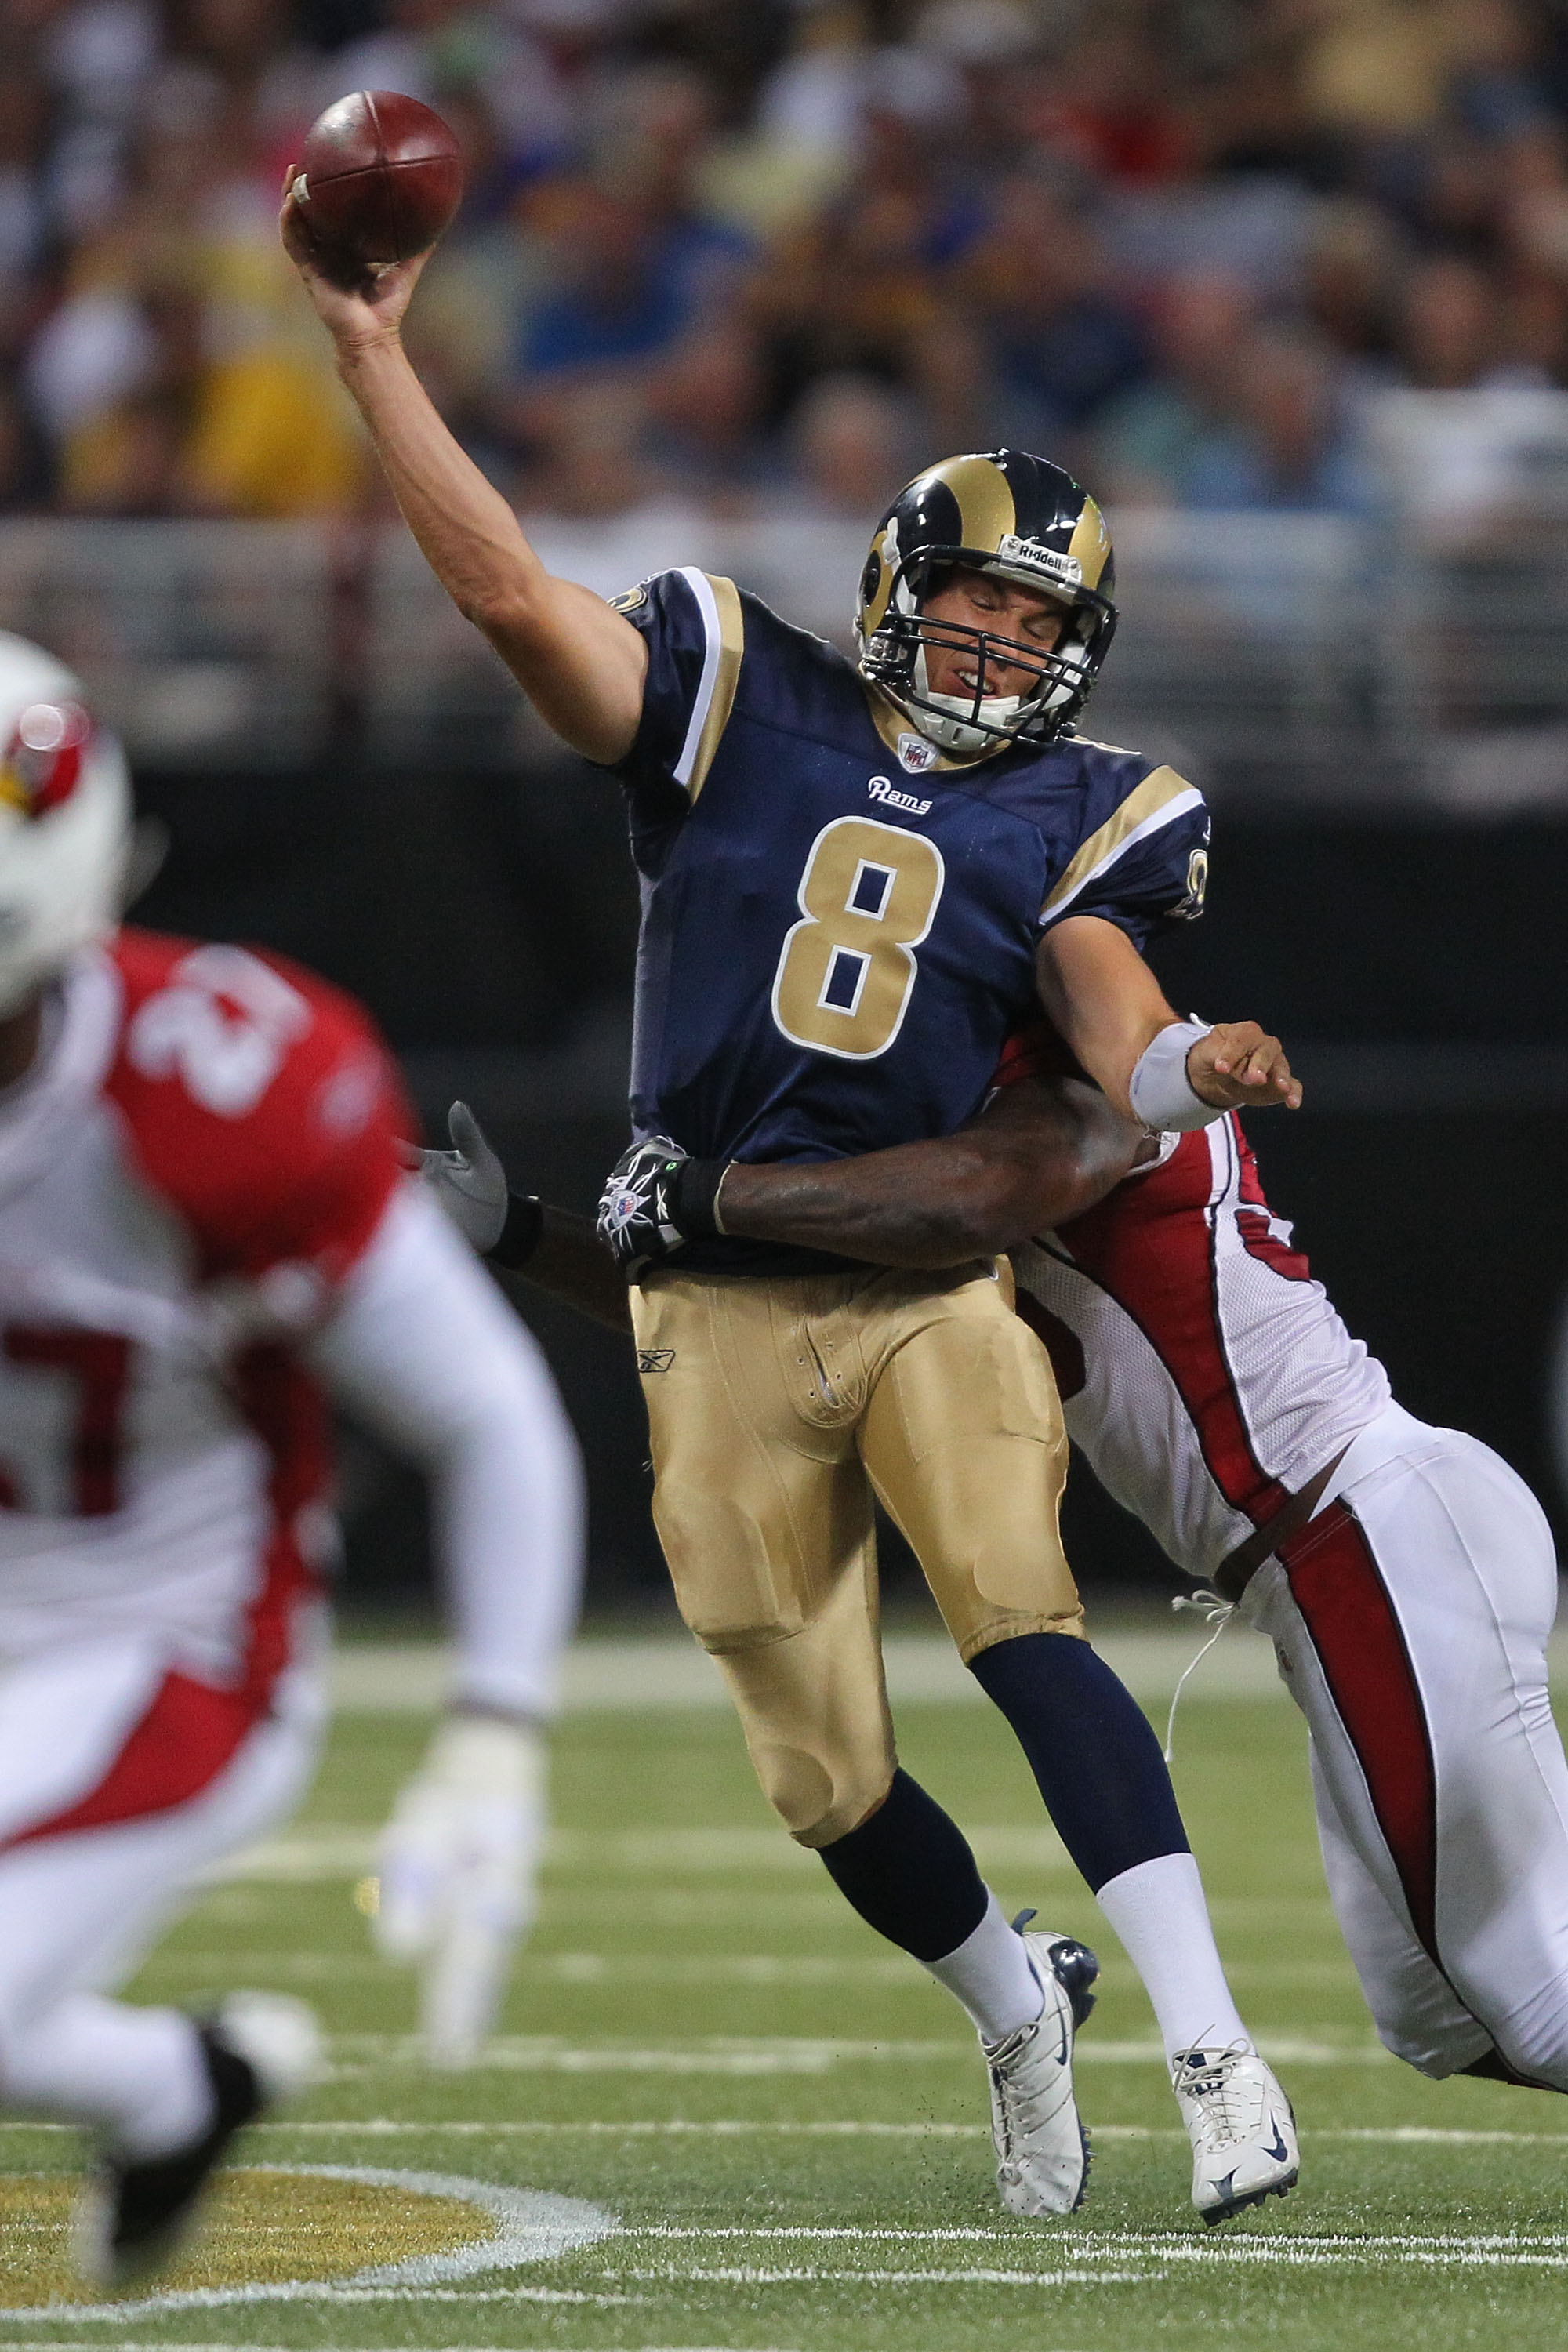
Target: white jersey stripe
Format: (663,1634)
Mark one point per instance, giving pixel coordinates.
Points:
(1183,804)
(701,587)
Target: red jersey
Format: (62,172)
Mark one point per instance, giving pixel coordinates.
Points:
(207,1144)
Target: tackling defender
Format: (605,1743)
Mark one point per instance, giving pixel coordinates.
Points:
(1404,1574)
(830,960)
(203,1225)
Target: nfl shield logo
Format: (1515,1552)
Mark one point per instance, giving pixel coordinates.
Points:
(916,754)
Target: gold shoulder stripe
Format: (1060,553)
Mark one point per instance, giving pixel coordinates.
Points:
(1160,798)
(726,679)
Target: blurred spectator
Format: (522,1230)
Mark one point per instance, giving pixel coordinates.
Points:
(1150,441)
(1060,341)
(853,449)
(1451,331)
(448,50)
(1181,241)
(25,481)
(1289,446)
(249,435)
(1350,279)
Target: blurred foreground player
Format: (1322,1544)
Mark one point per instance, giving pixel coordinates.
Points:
(830,960)
(1405,1573)
(203,1227)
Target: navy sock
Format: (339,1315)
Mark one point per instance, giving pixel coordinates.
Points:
(1091,1749)
(909,1873)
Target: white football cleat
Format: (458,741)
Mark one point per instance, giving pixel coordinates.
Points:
(1242,2129)
(1042,2148)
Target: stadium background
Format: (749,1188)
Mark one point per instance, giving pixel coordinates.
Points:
(1285,281)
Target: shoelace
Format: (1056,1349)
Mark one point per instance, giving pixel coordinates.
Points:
(1224,2108)
(1215,1611)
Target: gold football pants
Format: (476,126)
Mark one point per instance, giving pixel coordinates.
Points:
(777,1408)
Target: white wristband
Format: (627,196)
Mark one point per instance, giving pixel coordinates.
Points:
(1162,1094)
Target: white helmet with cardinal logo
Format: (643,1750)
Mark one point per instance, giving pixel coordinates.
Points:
(64,821)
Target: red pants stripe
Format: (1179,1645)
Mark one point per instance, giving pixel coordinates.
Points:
(183,1741)
(1335,1583)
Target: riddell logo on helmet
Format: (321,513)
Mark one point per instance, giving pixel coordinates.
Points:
(1031,556)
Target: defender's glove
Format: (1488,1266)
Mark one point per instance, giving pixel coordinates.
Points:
(458,1859)
(656,1200)
(469,1184)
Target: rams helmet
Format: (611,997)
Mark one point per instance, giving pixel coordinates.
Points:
(1025,519)
(64,821)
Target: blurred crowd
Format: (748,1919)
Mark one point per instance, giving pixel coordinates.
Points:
(731,255)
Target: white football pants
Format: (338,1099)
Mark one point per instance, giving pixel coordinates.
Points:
(1410,1617)
(95,1740)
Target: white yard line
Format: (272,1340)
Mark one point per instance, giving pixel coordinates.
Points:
(665,1670)
(677,2127)
(674,2274)
(317,1851)
(790,2054)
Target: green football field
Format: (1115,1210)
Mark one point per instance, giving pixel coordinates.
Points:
(774,2126)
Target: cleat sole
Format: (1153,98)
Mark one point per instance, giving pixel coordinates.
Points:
(1257,2196)
(1088,2161)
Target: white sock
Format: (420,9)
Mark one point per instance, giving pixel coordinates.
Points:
(1159,1913)
(137,2073)
(991,1974)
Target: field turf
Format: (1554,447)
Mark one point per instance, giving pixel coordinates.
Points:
(786,2119)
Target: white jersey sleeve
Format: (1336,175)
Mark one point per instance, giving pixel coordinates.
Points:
(1203,1372)
(421,1347)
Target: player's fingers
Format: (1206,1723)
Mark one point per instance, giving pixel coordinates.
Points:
(1260,1064)
(1268,1076)
(1227,1044)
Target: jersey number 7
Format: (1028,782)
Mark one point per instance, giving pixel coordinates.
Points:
(847,971)
(92,1368)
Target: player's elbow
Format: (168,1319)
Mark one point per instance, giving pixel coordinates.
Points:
(501,608)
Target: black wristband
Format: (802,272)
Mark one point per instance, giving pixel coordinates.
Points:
(521,1233)
(692,1192)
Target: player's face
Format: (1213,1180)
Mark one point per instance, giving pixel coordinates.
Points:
(1005,610)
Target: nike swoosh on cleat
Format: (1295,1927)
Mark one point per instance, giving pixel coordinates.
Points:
(1279,2151)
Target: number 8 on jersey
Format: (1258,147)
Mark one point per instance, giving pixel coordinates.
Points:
(848,969)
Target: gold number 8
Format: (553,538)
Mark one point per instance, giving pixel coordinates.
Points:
(846,969)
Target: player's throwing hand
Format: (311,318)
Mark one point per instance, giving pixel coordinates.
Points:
(1236,1067)
(367,307)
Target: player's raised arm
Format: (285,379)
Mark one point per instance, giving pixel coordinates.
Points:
(580,664)
(1162,1070)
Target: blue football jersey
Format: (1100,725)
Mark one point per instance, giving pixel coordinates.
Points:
(839,925)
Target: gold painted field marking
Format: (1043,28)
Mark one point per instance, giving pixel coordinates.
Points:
(359,2233)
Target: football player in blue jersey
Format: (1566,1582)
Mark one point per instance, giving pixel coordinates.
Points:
(857,879)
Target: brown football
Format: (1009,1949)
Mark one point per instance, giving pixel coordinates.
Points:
(379,177)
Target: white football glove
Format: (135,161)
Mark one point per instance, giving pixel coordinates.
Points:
(458,1862)
(468,1182)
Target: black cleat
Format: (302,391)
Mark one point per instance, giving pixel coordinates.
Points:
(133,2216)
